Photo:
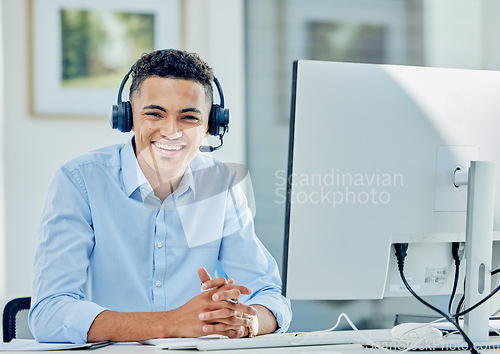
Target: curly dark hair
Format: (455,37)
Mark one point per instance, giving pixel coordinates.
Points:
(175,64)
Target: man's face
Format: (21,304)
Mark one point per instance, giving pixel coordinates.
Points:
(170,118)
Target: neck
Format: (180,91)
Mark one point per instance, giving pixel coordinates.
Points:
(163,185)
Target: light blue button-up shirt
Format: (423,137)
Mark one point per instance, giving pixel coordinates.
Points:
(107,242)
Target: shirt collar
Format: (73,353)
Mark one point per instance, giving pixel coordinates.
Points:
(186,183)
(133,177)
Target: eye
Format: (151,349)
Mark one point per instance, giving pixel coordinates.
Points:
(153,114)
(191,118)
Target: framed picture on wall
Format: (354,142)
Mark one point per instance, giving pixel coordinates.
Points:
(82,49)
(366,31)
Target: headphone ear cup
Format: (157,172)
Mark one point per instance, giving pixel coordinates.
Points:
(113,117)
(127,108)
(212,121)
(218,122)
(121,117)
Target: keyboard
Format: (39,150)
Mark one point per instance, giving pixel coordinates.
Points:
(494,323)
(451,342)
(282,340)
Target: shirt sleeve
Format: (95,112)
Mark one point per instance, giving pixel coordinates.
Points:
(244,258)
(58,311)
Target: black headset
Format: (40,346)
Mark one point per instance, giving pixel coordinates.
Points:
(120,116)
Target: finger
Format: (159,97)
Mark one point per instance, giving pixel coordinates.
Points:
(224,329)
(214,283)
(227,316)
(231,333)
(220,313)
(232,295)
(231,321)
(239,307)
(231,292)
(235,333)
(203,275)
(245,310)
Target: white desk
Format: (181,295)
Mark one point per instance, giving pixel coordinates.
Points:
(339,349)
(129,349)
(148,349)
(145,349)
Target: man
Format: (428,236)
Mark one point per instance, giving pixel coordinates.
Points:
(129,232)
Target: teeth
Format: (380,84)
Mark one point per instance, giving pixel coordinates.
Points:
(169,147)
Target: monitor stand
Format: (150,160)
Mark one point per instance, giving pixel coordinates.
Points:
(478,248)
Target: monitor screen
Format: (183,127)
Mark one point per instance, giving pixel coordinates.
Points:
(373,149)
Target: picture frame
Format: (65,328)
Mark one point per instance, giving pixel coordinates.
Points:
(82,49)
(340,30)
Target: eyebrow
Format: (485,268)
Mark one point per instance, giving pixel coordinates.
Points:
(185,110)
(154,106)
(191,109)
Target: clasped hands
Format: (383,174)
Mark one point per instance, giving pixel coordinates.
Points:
(217,310)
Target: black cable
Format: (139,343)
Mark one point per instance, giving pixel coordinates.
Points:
(457,251)
(466,338)
(461,303)
(455,284)
(460,306)
(401,249)
(460,312)
(478,304)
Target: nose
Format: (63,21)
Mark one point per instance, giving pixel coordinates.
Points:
(170,129)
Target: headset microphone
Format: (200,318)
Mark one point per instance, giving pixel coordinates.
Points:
(208,148)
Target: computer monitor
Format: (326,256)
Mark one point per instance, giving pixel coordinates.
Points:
(373,150)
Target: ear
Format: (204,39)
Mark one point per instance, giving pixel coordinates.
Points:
(207,132)
(132,114)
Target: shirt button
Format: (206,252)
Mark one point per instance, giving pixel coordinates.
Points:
(158,283)
(159,245)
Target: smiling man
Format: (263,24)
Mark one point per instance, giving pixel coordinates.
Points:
(128,232)
(170,121)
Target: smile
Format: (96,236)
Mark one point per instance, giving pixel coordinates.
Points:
(169,147)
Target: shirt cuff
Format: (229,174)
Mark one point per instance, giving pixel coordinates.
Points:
(278,305)
(78,320)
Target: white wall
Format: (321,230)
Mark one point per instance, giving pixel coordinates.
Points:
(491,32)
(35,147)
(453,31)
(215,30)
